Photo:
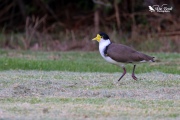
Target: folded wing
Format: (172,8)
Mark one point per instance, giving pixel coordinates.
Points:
(122,53)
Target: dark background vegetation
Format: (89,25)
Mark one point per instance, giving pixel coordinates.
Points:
(71,24)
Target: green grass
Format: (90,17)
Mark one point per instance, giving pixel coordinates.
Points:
(81,62)
(81,85)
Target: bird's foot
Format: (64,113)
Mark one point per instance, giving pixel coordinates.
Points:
(134,77)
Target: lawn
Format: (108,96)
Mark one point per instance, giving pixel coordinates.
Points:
(81,62)
(81,85)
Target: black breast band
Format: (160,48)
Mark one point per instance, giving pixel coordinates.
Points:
(105,50)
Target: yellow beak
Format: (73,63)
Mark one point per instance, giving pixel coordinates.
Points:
(97,38)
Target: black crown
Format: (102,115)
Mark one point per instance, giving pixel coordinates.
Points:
(104,35)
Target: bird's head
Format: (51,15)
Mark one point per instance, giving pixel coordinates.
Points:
(101,36)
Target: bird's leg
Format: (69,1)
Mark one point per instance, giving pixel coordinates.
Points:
(133,75)
(123,73)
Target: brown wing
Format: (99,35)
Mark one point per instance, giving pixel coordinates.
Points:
(122,53)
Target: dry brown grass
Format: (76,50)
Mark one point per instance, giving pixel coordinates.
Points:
(74,95)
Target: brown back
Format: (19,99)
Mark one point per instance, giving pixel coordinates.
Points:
(122,53)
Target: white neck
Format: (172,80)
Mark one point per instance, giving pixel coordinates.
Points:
(102,46)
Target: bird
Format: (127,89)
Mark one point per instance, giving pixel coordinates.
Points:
(120,54)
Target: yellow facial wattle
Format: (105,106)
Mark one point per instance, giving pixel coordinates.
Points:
(97,38)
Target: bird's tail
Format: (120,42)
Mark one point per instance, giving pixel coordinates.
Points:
(153,59)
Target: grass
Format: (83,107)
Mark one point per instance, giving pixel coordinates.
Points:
(81,85)
(78,95)
(80,62)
